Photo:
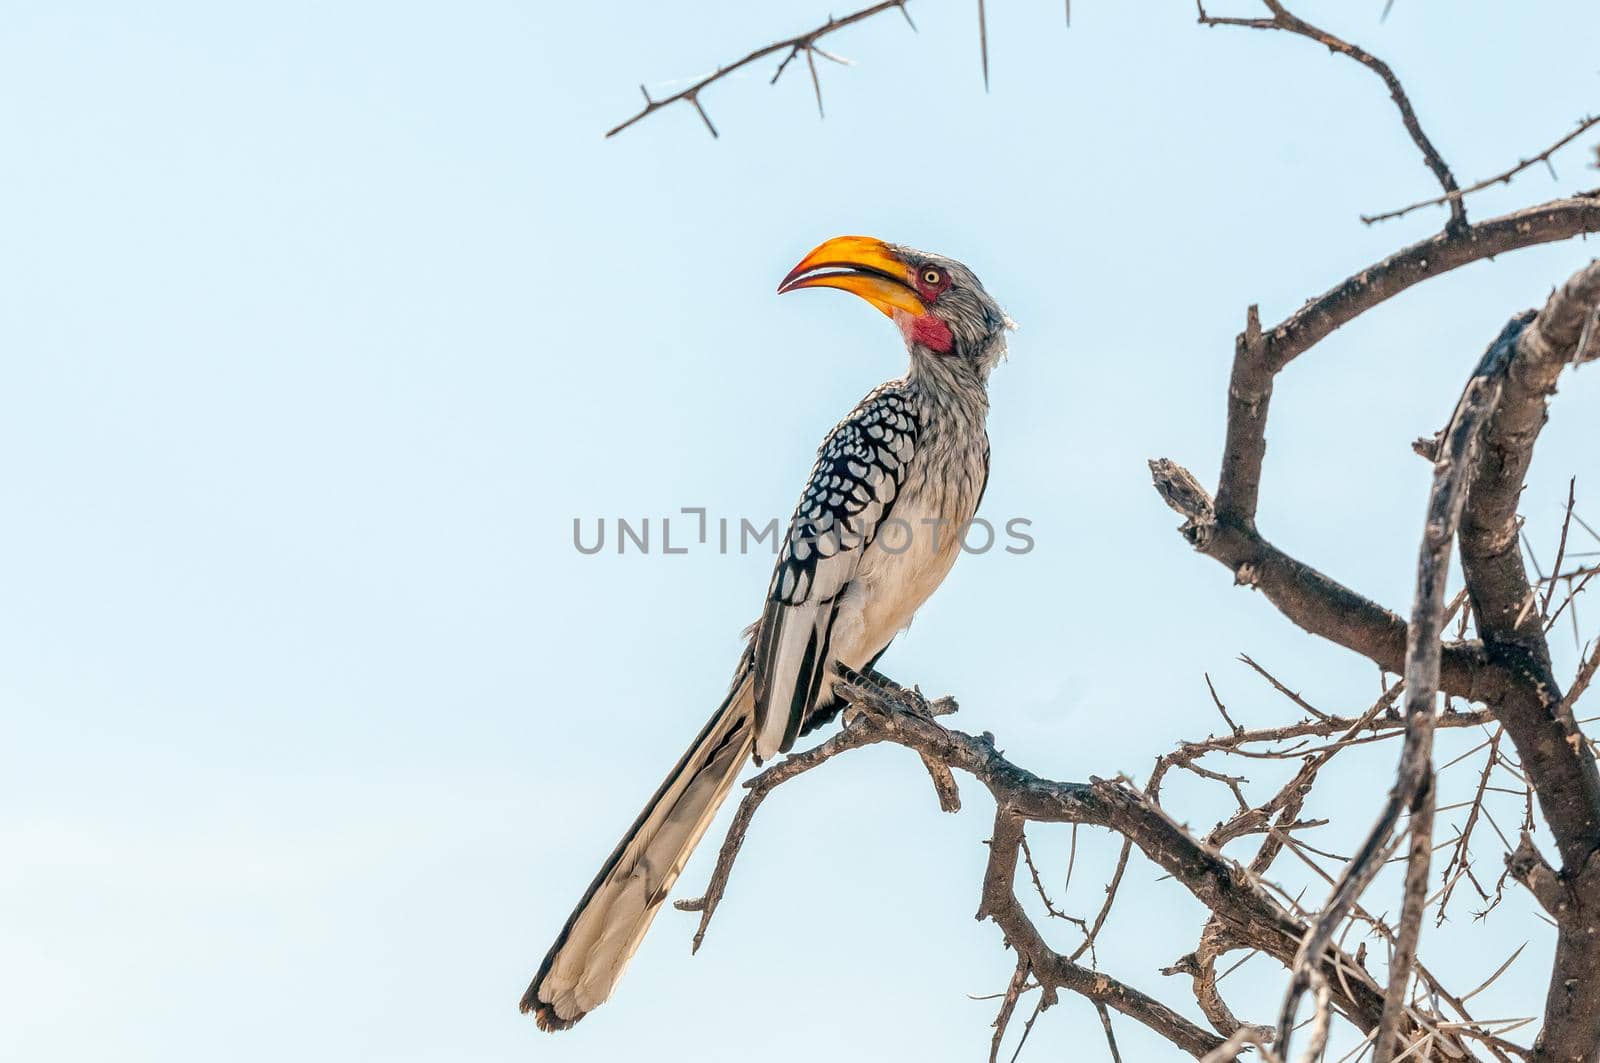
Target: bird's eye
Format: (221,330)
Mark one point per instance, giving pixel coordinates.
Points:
(932,277)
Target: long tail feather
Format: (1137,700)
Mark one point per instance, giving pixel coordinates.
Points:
(601,936)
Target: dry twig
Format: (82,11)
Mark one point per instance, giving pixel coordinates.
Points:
(1282,19)
(800,44)
(1584,125)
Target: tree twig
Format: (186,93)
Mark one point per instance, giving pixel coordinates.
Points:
(1423,654)
(802,43)
(1504,177)
(1282,19)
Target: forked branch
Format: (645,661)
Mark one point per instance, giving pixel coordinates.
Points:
(1412,791)
(1282,19)
(1502,178)
(793,47)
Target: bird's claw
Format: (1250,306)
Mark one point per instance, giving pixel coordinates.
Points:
(889,698)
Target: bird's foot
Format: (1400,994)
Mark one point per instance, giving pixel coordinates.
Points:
(914,701)
(894,697)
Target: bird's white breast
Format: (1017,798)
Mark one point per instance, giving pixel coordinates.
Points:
(900,569)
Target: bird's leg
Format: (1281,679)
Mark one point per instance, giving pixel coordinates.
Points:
(852,712)
(910,701)
(880,686)
(914,699)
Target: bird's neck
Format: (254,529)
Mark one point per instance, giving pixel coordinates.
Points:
(950,399)
(946,382)
(952,453)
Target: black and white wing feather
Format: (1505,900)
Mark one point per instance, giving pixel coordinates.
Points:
(858,474)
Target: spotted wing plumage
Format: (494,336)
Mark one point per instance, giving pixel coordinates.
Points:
(859,472)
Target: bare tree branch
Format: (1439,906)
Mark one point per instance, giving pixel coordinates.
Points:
(1312,600)
(1260,354)
(1504,177)
(1111,1036)
(1053,969)
(1460,862)
(803,43)
(1387,1042)
(1558,760)
(1008,1006)
(1282,19)
(1423,654)
(1243,909)
(1529,867)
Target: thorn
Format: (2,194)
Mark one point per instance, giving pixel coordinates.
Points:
(1387,7)
(703,116)
(907,14)
(646,94)
(816,83)
(1069,14)
(983,43)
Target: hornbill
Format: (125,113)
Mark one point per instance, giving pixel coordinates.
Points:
(876,530)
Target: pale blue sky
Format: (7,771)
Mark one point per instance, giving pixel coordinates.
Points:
(321,322)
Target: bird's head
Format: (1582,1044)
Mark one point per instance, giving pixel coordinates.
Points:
(941,308)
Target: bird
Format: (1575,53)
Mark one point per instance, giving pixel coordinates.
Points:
(877,528)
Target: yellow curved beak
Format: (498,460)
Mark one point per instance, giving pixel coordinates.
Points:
(862,266)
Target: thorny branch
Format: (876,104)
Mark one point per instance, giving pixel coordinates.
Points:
(1504,177)
(1556,757)
(1510,671)
(1413,787)
(1244,912)
(1282,19)
(1244,915)
(800,44)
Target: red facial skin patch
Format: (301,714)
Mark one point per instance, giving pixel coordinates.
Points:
(932,333)
(926,330)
